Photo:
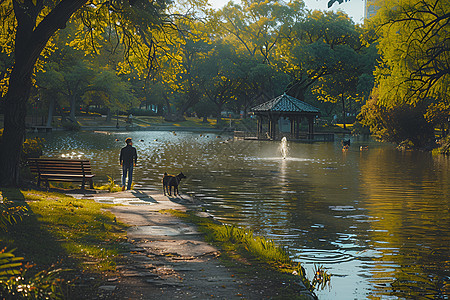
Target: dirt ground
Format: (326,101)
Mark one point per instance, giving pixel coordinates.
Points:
(168,258)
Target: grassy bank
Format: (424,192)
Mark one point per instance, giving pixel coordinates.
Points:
(59,231)
(258,259)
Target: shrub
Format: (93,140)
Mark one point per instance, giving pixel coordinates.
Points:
(444,146)
(397,123)
(142,112)
(15,283)
(71,126)
(32,148)
(111,186)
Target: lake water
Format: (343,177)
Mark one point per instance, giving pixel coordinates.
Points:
(378,220)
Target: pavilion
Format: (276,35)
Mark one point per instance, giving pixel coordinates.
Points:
(284,106)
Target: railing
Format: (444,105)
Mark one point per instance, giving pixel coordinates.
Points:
(317,137)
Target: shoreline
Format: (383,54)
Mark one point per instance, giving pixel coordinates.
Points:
(164,242)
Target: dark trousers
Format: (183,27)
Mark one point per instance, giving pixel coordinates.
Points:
(127,170)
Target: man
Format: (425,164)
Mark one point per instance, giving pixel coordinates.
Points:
(128,159)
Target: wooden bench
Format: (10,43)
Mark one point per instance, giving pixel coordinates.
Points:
(53,169)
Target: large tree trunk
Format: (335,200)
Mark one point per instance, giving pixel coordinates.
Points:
(14,133)
(51,109)
(166,99)
(30,40)
(73,107)
(108,114)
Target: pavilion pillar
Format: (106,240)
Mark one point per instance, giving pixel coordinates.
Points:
(297,127)
(292,122)
(259,127)
(310,127)
(273,127)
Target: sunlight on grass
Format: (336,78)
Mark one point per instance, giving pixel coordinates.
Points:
(111,186)
(240,242)
(62,226)
(348,126)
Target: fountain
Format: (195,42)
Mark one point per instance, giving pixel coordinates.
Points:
(284,148)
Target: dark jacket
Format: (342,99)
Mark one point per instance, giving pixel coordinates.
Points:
(128,155)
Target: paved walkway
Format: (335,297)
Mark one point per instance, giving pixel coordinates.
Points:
(168,257)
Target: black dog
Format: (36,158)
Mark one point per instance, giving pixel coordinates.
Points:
(346,142)
(170,181)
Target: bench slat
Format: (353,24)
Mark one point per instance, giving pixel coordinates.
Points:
(50,169)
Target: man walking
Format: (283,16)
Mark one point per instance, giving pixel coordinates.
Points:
(128,159)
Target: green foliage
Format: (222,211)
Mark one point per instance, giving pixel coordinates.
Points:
(10,213)
(58,226)
(259,247)
(397,124)
(16,283)
(111,186)
(413,41)
(413,74)
(71,125)
(32,148)
(9,265)
(444,146)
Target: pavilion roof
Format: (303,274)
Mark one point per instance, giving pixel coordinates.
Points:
(286,104)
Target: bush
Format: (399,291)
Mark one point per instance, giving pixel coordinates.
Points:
(444,146)
(142,112)
(15,283)
(32,148)
(71,126)
(111,186)
(402,122)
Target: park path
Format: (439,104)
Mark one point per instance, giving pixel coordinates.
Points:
(168,258)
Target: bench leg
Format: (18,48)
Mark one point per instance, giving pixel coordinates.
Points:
(91,184)
(83,184)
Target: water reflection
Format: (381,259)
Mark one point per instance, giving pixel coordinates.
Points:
(412,229)
(377,219)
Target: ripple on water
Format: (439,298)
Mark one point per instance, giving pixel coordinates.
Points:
(324,256)
(342,208)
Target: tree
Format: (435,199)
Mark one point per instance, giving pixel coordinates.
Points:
(352,80)
(413,73)
(414,41)
(401,124)
(309,49)
(111,92)
(220,76)
(255,27)
(29,26)
(194,45)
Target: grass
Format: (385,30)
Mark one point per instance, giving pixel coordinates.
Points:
(249,254)
(57,228)
(149,121)
(111,186)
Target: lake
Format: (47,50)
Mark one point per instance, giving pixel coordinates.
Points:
(378,220)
